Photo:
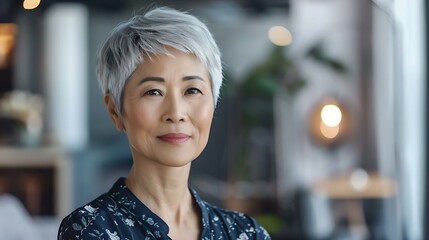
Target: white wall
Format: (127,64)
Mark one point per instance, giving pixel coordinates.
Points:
(334,23)
(399,36)
(385,100)
(66,68)
(410,111)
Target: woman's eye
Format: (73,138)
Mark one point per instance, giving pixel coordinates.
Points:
(193,91)
(153,92)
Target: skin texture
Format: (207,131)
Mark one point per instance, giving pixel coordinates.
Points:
(168,111)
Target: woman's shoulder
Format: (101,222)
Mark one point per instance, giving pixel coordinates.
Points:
(216,213)
(110,216)
(89,220)
(236,223)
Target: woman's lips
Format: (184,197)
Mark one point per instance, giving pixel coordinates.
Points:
(174,138)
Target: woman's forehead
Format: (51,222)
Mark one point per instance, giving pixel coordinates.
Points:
(175,61)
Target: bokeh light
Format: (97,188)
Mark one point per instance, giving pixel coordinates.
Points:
(30,4)
(331,115)
(280,36)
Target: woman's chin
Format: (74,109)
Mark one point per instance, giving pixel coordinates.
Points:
(177,160)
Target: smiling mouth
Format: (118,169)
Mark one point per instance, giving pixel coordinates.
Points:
(175,138)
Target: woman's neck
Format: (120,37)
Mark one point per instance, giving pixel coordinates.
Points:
(163,189)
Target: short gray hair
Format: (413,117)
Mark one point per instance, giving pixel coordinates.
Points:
(149,34)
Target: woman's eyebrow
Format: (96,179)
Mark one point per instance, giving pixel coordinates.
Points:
(151,79)
(192,77)
(160,79)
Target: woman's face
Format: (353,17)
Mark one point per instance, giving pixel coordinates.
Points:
(168,109)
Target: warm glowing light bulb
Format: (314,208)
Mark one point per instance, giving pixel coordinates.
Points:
(331,115)
(329,132)
(7,41)
(280,36)
(30,4)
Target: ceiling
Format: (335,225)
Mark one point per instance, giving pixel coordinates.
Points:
(9,8)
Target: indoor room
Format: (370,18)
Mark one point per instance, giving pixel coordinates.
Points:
(319,130)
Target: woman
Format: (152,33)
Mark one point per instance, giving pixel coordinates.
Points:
(161,74)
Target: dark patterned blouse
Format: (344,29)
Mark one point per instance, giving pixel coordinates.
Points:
(118,214)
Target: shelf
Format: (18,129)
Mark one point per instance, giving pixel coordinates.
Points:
(37,174)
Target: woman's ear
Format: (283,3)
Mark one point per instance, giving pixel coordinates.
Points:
(111,108)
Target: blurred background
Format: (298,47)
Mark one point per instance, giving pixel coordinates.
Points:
(321,131)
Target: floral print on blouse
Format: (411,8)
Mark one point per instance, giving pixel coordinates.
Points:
(119,215)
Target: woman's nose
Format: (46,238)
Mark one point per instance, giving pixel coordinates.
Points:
(174,109)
